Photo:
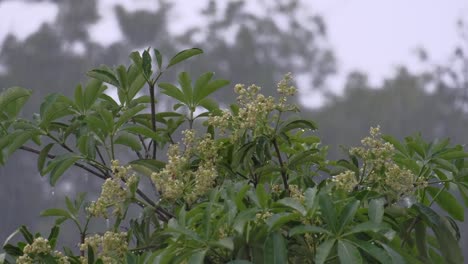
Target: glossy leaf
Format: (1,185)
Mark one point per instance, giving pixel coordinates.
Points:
(447,202)
(104,74)
(183,55)
(348,253)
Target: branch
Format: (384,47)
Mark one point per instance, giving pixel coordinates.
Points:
(164,214)
(284,176)
(76,163)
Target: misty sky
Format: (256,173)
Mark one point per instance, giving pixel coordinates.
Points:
(369,35)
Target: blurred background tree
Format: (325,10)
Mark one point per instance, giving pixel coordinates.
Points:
(242,46)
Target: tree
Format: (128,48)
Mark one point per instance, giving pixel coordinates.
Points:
(244,191)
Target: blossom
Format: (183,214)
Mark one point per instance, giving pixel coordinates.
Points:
(178,179)
(110,247)
(114,191)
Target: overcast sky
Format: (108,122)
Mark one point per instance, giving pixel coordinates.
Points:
(369,35)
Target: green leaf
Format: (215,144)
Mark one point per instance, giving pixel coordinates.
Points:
(443,231)
(20,139)
(328,211)
(12,250)
(60,166)
(309,195)
(365,227)
(203,86)
(396,143)
(158,57)
(79,100)
(147,166)
(71,208)
(136,58)
(128,114)
(198,257)
(376,210)
(104,74)
(209,104)
(323,251)
(303,229)
(262,196)
(128,140)
(453,155)
(394,255)
(298,123)
(347,214)
(135,86)
(294,204)
(275,251)
(200,84)
(421,240)
(186,85)
(26,234)
(90,254)
(143,131)
(123,78)
(92,92)
(301,158)
(56,212)
(183,55)
(447,202)
(374,251)
(13,99)
(54,232)
(87,146)
(348,253)
(146,64)
(172,91)
(278,220)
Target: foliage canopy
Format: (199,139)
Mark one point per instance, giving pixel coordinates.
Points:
(247,184)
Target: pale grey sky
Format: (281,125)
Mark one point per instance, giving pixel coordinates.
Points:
(370,35)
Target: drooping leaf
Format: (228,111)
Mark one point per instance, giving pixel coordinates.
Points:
(128,140)
(447,202)
(183,55)
(298,123)
(443,231)
(13,99)
(147,166)
(43,156)
(104,74)
(172,91)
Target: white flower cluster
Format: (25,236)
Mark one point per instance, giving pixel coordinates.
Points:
(254,108)
(379,172)
(41,246)
(110,248)
(113,192)
(178,179)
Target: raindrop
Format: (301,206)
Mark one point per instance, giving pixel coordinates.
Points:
(107,223)
(53,191)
